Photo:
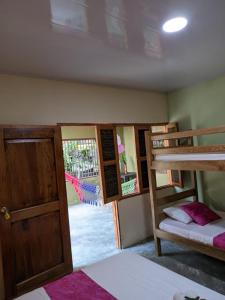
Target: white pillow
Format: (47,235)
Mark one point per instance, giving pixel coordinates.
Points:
(178,214)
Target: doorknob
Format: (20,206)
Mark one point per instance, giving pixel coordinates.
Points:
(5,212)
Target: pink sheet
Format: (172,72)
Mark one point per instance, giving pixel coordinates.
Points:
(219,241)
(76,286)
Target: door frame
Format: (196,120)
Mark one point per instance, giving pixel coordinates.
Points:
(115,210)
(115,205)
(2,281)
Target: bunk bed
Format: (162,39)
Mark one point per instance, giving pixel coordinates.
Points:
(175,154)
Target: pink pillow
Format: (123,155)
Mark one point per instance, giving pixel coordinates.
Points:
(200,213)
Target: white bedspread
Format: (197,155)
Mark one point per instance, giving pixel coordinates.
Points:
(128,276)
(188,156)
(193,231)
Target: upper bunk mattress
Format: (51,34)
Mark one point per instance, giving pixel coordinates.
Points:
(203,234)
(190,157)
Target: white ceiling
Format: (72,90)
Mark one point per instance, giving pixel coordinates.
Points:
(113,42)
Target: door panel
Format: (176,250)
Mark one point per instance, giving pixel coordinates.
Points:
(31,172)
(33,236)
(35,239)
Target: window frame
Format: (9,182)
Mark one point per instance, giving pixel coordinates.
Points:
(146,126)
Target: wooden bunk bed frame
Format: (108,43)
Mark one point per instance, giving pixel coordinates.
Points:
(189,165)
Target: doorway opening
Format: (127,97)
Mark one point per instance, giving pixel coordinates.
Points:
(93,226)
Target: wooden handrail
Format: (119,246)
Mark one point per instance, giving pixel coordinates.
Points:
(188,133)
(204,165)
(189,149)
(175,197)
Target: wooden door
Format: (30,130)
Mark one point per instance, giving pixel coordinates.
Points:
(108,163)
(34,227)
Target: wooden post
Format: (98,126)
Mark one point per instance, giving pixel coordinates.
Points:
(152,191)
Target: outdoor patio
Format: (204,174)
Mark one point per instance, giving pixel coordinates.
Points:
(92,233)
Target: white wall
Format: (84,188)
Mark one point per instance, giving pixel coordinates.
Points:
(135,217)
(135,220)
(38,101)
(26,100)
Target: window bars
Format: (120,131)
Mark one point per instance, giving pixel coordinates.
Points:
(80,157)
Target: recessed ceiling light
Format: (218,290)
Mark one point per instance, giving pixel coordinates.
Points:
(175,24)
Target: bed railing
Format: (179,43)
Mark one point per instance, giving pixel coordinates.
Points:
(179,149)
(174,146)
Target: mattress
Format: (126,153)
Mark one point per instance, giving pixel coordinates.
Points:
(128,276)
(190,157)
(193,231)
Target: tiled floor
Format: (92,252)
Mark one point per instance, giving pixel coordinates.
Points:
(92,233)
(92,238)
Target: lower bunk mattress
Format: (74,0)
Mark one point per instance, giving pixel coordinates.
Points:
(212,234)
(125,276)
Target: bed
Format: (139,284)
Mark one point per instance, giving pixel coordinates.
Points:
(175,151)
(192,231)
(128,276)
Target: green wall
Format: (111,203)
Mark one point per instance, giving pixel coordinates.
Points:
(78,132)
(203,106)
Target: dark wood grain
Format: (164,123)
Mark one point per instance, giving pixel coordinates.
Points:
(144,174)
(31,172)
(36,238)
(40,239)
(107,140)
(111,182)
(108,158)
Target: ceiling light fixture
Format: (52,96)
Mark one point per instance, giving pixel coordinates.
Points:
(175,24)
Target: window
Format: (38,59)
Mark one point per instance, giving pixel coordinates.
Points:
(80,157)
(127,159)
(123,160)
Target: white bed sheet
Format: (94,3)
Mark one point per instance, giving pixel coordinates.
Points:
(188,157)
(193,231)
(128,276)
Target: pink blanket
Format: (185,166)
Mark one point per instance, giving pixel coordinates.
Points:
(76,286)
(219,241)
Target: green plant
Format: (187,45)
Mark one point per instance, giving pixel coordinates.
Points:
(123,158)
(85,155)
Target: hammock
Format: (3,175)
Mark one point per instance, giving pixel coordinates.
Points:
(87,192)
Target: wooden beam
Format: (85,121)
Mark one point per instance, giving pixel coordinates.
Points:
(34,211)
(152,190)
(188,133)
(204,165)
(206,249)
(176,197)
(190,149)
